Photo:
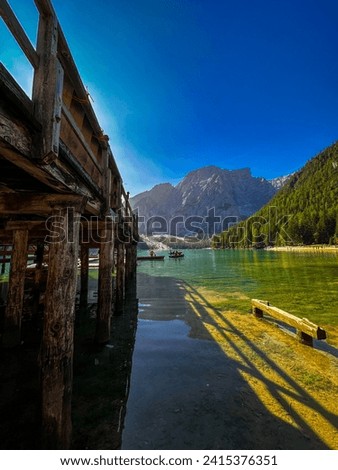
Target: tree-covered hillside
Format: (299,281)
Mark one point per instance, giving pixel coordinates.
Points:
(304,211)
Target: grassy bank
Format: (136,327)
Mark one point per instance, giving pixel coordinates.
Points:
(307,248)
(294,382)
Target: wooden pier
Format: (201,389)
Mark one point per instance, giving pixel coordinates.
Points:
(61,194)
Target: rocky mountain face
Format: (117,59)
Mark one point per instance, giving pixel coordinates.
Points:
(280,181)
(207,200)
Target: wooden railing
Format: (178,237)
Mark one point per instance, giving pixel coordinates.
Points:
(71,144)
(305,329)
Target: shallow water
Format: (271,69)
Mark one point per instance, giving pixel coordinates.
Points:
(199,381)
(304,284)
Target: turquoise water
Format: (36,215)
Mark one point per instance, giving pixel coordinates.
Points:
(305,284)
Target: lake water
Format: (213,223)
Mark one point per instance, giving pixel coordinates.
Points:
(304,284)
(205,376)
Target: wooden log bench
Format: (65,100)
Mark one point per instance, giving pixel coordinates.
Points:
(305,329)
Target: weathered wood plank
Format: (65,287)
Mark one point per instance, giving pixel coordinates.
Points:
(47,88)
(42,175)
(45,7)
(25,225)
(18,32)
(73,76)
(106,181)
(56,356)
(78,133)
(12,321)
(16,135)
(115,193)
(301,324)
(79,169)
(67,93)
(39,204)
(113,166)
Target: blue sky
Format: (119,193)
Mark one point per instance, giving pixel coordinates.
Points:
(181,84)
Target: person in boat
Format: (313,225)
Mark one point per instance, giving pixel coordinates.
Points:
(176,253)
(152,253)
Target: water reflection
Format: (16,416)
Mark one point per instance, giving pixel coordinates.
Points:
(102,377)
(304,284)
(206,384)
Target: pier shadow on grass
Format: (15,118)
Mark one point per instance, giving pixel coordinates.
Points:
(196,383)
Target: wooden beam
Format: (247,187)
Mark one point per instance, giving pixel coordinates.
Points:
(302,325)
(26,225)
(94,223)
(47,88)
(112,164)
(133,260)
(17,135)
(81,137)
(75,165)
(18,32)
(13,313)
(71,71)
(120,273)
(38,204)
(84,258)
(105,288)
(56,355)
(107,181)
(45,7)
(95,231)
(10,153)
(115,200)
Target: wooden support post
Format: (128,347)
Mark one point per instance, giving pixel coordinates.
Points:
(134,259)
(105,287)
(120,277)
(131,257)
(37,276)
(84,256)
(131,262)
(12,322)
(304,338)
(128,262)
(47,88)
(56,356)
(258,313)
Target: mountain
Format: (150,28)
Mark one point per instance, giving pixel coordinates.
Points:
(304,211)
(280,181)
(206,200)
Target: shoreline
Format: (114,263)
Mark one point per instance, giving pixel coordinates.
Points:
(306,248)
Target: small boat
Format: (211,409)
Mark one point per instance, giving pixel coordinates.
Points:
(176,254)
(150,258)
